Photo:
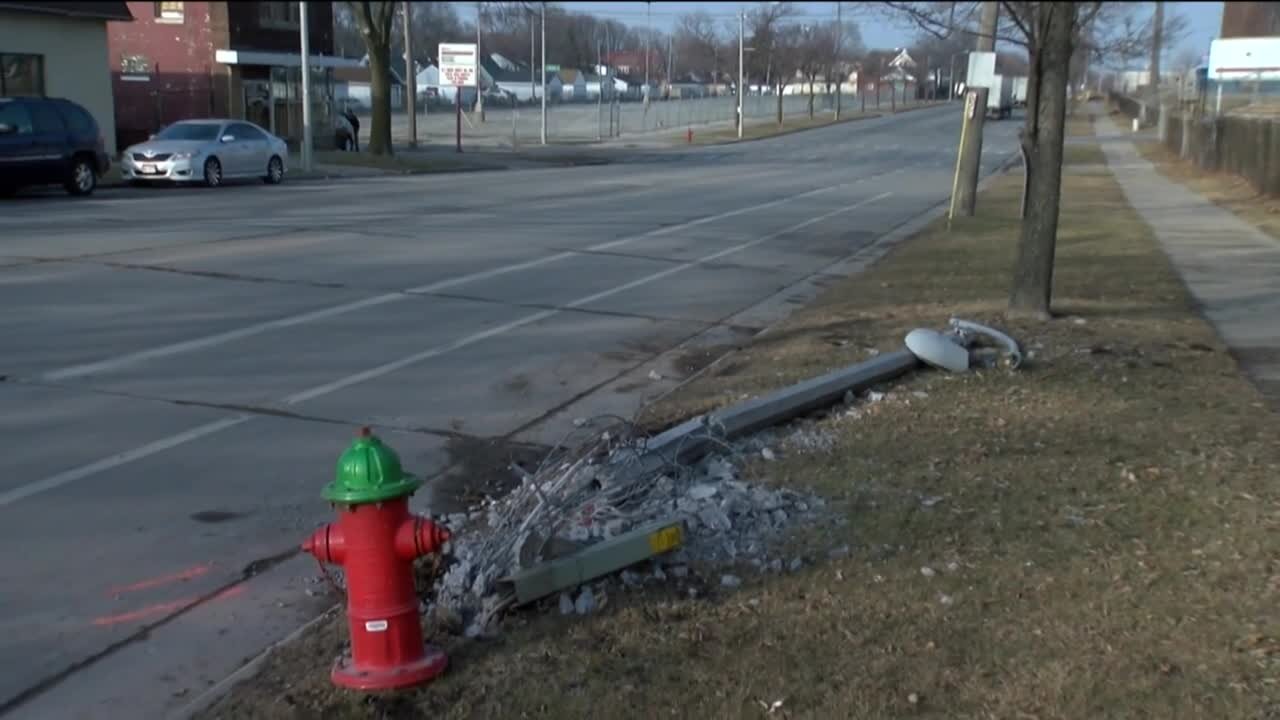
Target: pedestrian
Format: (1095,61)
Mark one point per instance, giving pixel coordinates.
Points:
(355,128)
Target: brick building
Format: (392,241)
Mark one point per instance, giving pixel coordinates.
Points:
(1250,19)
(181,60)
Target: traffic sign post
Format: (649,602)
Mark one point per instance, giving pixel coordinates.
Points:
(458,68)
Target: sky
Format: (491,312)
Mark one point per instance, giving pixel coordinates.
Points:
(1204,18)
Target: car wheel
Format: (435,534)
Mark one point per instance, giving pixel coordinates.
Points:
(212,172)
(275,171)
(83,177)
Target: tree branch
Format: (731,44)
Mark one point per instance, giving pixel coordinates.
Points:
(1012,12)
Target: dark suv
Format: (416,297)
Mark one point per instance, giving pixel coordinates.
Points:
(49,141)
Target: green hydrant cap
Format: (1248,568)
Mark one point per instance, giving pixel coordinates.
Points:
(369,472)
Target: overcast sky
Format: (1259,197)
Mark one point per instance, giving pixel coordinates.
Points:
(1204,18)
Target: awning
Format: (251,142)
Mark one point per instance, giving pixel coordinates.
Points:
(280,59)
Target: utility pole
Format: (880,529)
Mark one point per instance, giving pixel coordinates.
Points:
(969,165)
(479,89)
(533,63)
(648,40)
(411,78)
(930,85)
(742,68)
(1157,38)
(600,93)
(835,66)
(306,85)
(543,15)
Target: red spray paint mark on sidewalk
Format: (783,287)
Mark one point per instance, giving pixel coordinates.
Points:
(188,574)
(163,608)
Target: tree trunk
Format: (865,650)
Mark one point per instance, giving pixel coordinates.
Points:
(810,97)
(1043,140)
(380,98)
(780,88)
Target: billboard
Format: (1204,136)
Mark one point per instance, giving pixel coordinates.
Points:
(1253,58)
(458,64)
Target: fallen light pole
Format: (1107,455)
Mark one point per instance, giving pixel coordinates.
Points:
(619,500)
(376,540)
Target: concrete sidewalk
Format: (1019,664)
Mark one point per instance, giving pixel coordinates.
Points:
(1231,267)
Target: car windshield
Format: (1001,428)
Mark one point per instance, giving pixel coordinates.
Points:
(189,131)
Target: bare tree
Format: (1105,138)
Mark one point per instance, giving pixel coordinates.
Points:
(772,46)
(815,53)
(698,45)
(1050,33)
(374,19)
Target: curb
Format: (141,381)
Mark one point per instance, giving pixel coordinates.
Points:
(221,688)
(869,116)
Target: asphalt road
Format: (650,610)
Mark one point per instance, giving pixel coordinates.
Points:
(182,368)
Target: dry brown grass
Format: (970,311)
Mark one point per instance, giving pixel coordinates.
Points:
(1226,190)
(1102,524)
(756,131)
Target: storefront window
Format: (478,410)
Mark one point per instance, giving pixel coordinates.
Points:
(280,15)
(21,75)
(169,11)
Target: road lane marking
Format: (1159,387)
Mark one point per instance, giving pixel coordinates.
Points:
(186,346)
(112,461)
(108,463)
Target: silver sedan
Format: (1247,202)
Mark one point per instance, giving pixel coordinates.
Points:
(207,151)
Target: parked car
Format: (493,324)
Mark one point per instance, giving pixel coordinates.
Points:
(206,151)
(49,141)
(344,133)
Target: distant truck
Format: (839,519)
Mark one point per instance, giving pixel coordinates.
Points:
(1019,91)
(1000,98)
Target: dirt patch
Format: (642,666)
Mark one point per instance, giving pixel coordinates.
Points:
(480,468)
(1093,536)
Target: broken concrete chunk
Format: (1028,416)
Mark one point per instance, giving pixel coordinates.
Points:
(703,491)
(586,602)
(715,519)
(730,581)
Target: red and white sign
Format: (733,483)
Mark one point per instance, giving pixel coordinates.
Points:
(458,64)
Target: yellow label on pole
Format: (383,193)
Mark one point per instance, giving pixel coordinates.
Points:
(668,538)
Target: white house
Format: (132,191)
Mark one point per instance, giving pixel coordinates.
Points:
(573,85)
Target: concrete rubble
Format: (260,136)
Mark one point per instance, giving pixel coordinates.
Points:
(582,498)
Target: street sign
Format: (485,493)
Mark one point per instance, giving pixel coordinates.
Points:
(553,68)
(1252,58)
(458,64)
(982,70)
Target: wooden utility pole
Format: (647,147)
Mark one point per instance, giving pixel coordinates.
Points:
(970,165)
(410,79)
(1157,39)
(835,66)
(479,88)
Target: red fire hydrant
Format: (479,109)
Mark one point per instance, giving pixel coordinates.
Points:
(376,540)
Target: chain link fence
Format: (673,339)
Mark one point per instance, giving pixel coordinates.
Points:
(505,125)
